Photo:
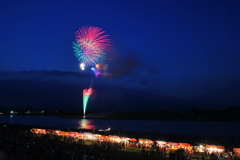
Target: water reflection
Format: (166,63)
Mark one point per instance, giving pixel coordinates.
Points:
(11,119)
(85,124)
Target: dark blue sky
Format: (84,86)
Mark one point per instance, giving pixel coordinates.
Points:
(183,50)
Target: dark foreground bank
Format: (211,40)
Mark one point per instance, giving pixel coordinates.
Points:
(18,143)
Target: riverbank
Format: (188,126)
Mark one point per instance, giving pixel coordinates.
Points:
(228,142)
(18,143)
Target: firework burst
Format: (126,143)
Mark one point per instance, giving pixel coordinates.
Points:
(91,45)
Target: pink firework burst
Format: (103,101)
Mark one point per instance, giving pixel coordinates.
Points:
(93,42)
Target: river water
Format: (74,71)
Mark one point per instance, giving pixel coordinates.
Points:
(203,128)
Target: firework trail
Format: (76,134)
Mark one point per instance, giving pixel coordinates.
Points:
(86,95)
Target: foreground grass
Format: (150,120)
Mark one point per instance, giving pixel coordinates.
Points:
(196,157)
(129,153)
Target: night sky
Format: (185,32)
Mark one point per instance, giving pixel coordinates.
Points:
(165,54)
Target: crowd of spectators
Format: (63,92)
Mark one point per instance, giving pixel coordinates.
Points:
(228,142)
(18,143)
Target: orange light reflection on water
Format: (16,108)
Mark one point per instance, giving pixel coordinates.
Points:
(85,124)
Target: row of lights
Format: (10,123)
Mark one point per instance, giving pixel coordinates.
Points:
(12,112)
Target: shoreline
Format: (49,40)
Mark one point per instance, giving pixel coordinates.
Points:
(193,140)
(146,119)
(119,118)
